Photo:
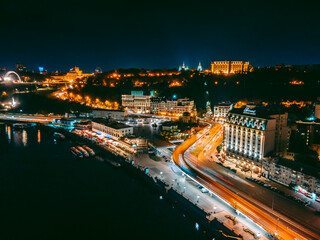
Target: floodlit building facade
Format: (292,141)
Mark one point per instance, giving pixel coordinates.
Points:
(252,133)
(137,102)
(178,107)
(229,67)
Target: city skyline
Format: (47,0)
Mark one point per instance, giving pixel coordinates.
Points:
(139,35)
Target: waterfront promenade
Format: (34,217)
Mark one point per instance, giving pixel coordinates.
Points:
(212,205)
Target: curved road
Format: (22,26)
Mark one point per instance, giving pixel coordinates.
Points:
(260,215)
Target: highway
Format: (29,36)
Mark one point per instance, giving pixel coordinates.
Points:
(277,225)
(256,194)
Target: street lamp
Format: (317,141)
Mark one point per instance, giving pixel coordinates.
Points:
(214,209)
(198,198)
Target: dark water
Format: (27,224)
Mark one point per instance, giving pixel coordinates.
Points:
(47,194)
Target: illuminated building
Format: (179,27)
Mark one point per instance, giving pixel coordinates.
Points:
(199,68)
(183,67)
(21,67)
(74,74)
(113,129)
(137,102)
(317,110)
(229,67)
(179,106)
(252,133)
(221,110)
(98,70)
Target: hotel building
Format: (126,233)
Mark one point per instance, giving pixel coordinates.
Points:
(229,67)
(253,133)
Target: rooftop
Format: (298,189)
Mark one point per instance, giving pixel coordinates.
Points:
(108,110)
(256,111)
(300,167)
(114,125)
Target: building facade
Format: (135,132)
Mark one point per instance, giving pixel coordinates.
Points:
(292,174)
(221,110)
(115,130)
(177,107)
(251,134)
(229,67)
(116,115)
(137,102)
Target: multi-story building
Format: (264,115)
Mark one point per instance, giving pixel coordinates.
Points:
(293,174)
(304,134)
(74,74)
(137,102)
(113,129)
(221,110)
(116,115)
(178,107)
(229,67)
(252,133)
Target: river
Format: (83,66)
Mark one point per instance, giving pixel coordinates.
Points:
(45,193)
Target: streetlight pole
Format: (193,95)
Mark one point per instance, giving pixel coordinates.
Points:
(272,200)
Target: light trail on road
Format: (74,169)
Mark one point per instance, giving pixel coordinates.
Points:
(260,215)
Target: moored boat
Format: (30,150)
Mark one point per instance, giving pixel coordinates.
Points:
(76,152)
(83,151)
(89,150)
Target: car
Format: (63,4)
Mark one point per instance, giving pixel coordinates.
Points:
(204,190)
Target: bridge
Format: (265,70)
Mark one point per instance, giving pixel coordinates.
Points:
(39,118)
(11,76)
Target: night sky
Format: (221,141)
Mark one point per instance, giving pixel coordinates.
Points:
(157,34)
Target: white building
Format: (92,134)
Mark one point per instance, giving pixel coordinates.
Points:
(178,106)
(110,114)
(115,130)
(221,110)
(288,172)
(137,102)
(252,133)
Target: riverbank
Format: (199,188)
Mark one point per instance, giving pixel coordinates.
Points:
(215,223)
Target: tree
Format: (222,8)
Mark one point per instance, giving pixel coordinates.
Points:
(219,148)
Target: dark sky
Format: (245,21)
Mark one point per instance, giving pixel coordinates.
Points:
(157,34)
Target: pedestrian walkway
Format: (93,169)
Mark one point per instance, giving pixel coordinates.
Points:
(212,205)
